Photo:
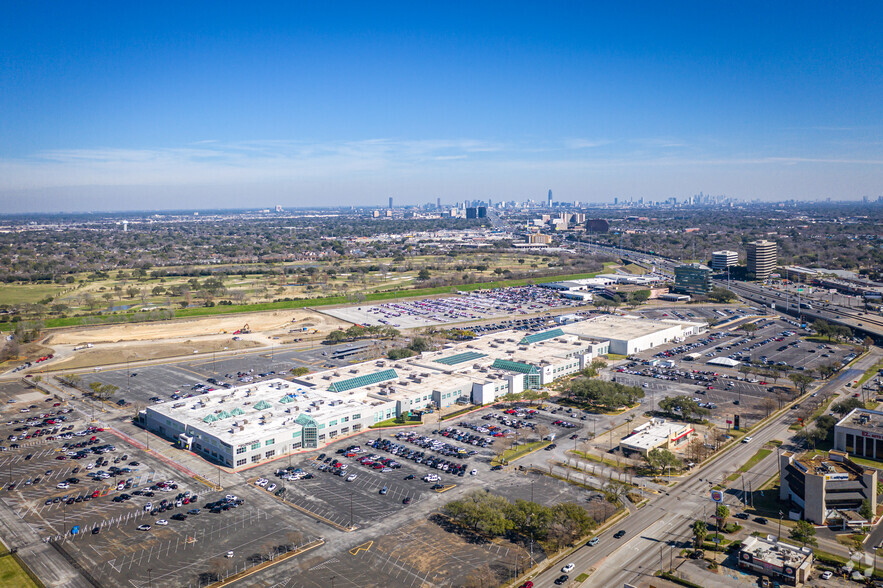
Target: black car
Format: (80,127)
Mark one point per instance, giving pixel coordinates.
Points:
(741,515)
(96,530)
(619,534)
(561,579)
(179,516)
(760,520)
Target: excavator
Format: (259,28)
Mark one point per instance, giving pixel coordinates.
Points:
(245,330)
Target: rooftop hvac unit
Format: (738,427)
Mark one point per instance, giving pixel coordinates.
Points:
(354,371)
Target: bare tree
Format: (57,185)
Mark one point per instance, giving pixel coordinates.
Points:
(768,405)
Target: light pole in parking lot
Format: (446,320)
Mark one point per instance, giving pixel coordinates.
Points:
(149,570)
(351,509)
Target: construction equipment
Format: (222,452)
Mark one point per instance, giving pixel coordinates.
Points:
(245,330)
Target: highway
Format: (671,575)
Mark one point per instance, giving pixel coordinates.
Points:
(859,321)
(664,523)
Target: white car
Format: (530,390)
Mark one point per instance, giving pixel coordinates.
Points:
(473,473)
(271,487)
(746,440)
(63,486)
(143,527)
(826,575)
(258,482)
(568,568)
(351,477)
(229,554)
(162,522)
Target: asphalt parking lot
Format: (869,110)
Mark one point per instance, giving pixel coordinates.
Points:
(475,306)
(138,385)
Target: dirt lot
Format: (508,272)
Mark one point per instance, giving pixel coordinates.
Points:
(264,322)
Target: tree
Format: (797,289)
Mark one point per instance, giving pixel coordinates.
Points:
(844,406)
(867,342)
(721,513)
(300,371)
(801,381)
(768,405)
(812,435)
(804,532)
(102,391)
(681,406)
(423,274)
(541,431)
(749,328)
(700,532)
(659,459)
(866,511)
(722,295)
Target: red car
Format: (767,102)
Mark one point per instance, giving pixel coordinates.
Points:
(60,457)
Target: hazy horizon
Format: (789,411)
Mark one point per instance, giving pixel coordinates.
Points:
(203,106)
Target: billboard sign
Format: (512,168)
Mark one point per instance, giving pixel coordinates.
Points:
(717,496)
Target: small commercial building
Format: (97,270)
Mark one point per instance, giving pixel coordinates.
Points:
(656,434)
(784,563)
(824,489)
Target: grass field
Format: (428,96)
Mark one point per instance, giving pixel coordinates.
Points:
(870,372)
(12,574)
(312,302)
(27,293)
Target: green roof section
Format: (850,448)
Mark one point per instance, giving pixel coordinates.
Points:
(224,415)
(544,336)
(305,420)
(237,411)
(360,381)
(287,398)
(263,405)
(209,418)
(514,366)
(460,358)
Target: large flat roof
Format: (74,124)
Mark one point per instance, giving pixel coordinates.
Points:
(237,415)
(862,419)
(618,327)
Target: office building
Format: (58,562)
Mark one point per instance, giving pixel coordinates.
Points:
(820,489)
(390,202)
(784,563)
(721,260)
(539,238)
(860,433)
(762,259)
(693,279)
(597,225)
(550,198)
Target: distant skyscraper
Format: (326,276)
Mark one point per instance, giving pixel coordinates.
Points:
(438,203)
(550,197)
(390,201)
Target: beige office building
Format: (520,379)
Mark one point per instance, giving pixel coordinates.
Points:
(762,258)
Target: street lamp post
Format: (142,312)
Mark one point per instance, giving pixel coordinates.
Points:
(779,538)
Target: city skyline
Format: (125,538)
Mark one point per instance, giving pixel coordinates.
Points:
(218,107)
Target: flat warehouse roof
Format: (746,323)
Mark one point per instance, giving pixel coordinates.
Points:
(618,327)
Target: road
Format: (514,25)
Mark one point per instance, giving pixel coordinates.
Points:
(660,529)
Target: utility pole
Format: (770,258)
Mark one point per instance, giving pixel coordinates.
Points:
(779,538)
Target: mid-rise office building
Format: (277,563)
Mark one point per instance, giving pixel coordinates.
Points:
(822,489)
(721,260)
(762,259)
(693,278)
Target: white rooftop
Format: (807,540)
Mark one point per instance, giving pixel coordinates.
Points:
(235,415)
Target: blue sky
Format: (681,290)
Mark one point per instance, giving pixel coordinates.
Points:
(116,106)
